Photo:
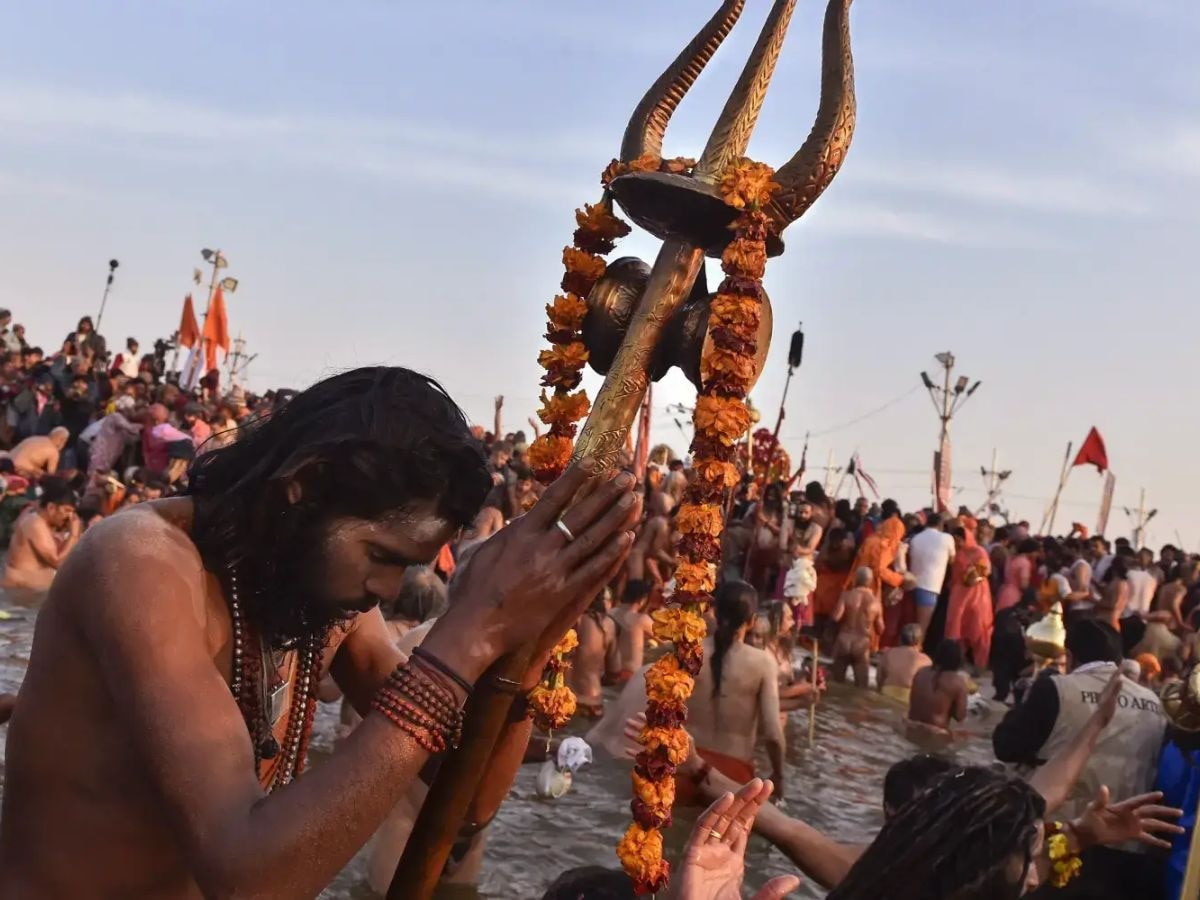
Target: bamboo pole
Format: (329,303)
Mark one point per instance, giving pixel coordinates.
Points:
(1052,512)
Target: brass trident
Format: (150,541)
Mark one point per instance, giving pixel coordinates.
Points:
(641,321)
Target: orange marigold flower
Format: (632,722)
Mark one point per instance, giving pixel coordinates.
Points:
(552,706)
(569,642)
(680,165)
(747,183)
(563,409)
(666,682)
(582,263)
(696,577)
(614,169)
(721,474)
(745,257)
(646,163)
(598,219)
(674,625)
(723,418)
(657,794)
(700,518)
(550,455)
(566,312)
(733,365)
(640,852)
(733,309)
(565,356)
(672,741)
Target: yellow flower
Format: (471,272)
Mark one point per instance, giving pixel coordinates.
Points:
(566,312)
(745,257)
(552,707)
(563,409)
(723,362)
(700,518)
(572,356)
(656,794)
(675,624)
(734,309)
(673,741)
(747,183)
(582,263)
(723,418)
(599,221)
(696,577)
(718,473)
(549,455)
(666,682)
(569,642)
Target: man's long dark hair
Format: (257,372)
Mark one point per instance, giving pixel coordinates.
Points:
(955,841)
(365,444)
(736,603)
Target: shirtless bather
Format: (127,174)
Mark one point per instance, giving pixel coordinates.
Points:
(899,665)
(597,637)
(38,456)
(859,615)
(633,628)
(939,692)
(36,550)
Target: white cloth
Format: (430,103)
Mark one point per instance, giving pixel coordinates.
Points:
(929,553)
(800,581)
(89,434)
(1142,586)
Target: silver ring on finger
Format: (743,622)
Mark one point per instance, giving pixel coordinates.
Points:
(566,532)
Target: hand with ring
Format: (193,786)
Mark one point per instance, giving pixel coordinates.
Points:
(533,579)
(713,863)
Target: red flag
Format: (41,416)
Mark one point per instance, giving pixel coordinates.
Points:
(1092,453)
(216,329)
(189,331)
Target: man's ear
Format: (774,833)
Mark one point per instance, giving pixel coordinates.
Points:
(293,491)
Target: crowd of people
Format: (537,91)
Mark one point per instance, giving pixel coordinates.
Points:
(86,432)
(360,542)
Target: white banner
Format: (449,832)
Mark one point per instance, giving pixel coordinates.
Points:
(1106,499)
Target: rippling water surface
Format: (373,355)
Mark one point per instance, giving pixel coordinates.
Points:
(836,787)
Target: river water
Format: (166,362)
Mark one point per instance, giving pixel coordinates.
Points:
(836,787)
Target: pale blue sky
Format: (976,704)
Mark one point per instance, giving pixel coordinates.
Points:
(393,182)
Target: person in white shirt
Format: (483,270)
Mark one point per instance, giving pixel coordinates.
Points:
(929,555)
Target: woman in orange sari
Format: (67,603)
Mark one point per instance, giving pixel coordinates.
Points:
(969,617)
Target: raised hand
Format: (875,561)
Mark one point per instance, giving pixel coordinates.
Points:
(530,582)
(714,861)
(1136,819)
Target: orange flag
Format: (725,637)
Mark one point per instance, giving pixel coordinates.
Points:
(189,331)
(216,330)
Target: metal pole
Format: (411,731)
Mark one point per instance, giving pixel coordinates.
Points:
(1052,512)
(937,481)
(112,269)
(1141,521)
(828,472)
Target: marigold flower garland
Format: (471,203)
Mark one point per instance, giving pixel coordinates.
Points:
(721,418)
(552,703)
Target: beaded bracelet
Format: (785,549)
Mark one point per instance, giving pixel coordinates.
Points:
(427,657)
(421,707)
(1065,865)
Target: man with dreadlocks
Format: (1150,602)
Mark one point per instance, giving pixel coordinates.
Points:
(172,681)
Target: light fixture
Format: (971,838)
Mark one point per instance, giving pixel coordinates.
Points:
(229,284)
(928,382)
(961,384)
(974,388)
(945,359)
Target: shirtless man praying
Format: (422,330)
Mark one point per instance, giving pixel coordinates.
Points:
(633,628)
(859,615)
(171,685)
(37,551)
(597,634)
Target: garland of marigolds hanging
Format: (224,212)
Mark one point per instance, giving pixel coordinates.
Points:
(721,418)
(552,702)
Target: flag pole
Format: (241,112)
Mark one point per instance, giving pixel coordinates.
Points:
(812,709)
(1052,512)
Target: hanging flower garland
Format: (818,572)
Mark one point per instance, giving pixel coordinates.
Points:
(552,702)
(721,418)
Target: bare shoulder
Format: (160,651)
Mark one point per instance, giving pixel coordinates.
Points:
(143,553)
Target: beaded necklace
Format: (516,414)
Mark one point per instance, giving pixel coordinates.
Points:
(251,689)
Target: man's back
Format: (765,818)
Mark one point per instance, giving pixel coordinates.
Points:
(938,697)
(929,553)
(35,456)
(633,626)
(901,665)
(729,722)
